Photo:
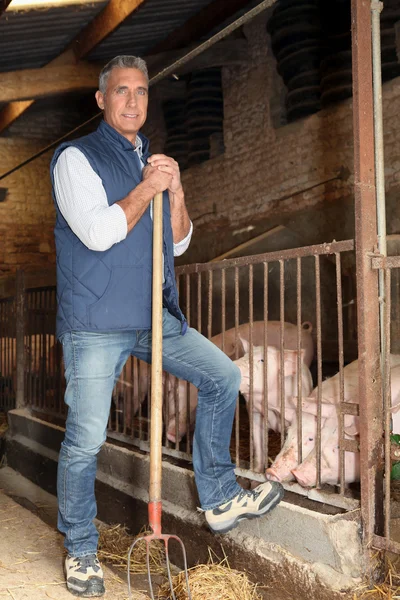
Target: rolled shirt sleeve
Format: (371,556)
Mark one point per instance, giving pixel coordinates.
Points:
(82,201)
(183,245)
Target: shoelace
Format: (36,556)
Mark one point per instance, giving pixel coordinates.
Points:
(86,562)
(249,493)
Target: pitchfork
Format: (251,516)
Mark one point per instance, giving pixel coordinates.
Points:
(154,506)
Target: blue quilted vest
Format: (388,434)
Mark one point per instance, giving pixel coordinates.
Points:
(111,290)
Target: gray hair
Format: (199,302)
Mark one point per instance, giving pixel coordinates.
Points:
(121,62)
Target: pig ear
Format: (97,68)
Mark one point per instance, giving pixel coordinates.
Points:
(245,344)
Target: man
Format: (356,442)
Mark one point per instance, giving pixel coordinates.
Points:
(103,186)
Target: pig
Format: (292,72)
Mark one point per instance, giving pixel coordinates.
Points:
(273,385)
(306,472)
(287,460)
(228,341)
(233,345)
(172,427)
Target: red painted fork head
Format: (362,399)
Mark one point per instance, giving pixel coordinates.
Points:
(155,510)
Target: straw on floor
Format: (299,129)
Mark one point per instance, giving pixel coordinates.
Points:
(114,544)
(389,589)
(213,580)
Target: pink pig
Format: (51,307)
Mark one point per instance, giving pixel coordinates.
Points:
(306,472)
(233,338)
(273,356)
(287,459)
(180,392)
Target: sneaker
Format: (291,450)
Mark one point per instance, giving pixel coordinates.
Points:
(84,576)
(248,504)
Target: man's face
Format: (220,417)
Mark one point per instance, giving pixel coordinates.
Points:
(125,101)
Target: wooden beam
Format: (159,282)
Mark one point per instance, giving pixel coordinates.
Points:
(11,112)
(111,17)
(52,80)
(3,6)
(48,81)
(200,24)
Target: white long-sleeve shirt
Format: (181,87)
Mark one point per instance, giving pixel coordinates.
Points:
(82,200)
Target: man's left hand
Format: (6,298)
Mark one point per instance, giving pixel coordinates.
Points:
(168,165)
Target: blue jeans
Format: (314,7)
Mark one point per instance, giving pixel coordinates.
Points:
(93,361)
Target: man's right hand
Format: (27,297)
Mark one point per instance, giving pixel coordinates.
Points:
(158,180)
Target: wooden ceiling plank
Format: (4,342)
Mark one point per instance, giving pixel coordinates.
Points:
(111,17)
(209,17)
(49,81)
(11,112)
(3,6)
(53,80)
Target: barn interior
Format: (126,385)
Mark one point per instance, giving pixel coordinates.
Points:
(270,113)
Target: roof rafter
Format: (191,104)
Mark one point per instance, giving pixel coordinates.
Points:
(61,78)
(3,6)
(111,17)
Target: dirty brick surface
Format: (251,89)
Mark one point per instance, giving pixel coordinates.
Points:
(31,559)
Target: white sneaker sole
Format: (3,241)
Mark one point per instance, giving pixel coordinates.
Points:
(225,526)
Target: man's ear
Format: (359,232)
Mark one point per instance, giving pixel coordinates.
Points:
(99,99)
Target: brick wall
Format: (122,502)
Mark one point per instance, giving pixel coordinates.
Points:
(256,184)
(27,214)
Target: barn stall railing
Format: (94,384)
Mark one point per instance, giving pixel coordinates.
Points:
(303,285)
(313,289)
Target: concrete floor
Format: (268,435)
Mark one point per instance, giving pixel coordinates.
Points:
(31,550)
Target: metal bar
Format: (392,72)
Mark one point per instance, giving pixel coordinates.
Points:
(210,291)
(20,339)
(339,301)
(319,365)
(299,364)
(199,302)
(370,384)
(223,307)
(213,40)
(376,9)
(266,403)
(282,346)
(344,502)
(161,75)
(385,262)
(251,369)
(387,398)
(318,249)
(237,413)
(381,543)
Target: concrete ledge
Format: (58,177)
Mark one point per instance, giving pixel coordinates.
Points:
(293,545)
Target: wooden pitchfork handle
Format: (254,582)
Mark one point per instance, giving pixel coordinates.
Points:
(156,371)
(155,507)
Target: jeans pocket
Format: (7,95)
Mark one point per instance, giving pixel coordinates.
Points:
(114,309)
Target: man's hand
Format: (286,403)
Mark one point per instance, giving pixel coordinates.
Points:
(167,165)
(159,180)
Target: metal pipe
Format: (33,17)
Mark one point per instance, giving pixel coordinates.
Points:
(370,385)
(248,16)
(376,9)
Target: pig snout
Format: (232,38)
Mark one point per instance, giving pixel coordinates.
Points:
(305,476)
(272,475)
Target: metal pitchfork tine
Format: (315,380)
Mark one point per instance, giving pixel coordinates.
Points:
(155,506)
